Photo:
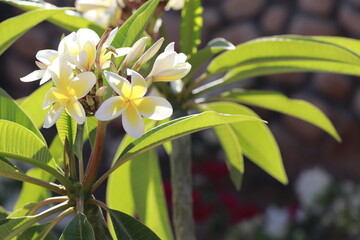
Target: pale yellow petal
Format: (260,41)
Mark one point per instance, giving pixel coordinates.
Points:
(111,108)
(54,95)
(61,73)
(76,111)
(138,84)
(156,108)
(82,84)
(132,121)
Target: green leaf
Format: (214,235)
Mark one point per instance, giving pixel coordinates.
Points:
(13,28)
(128,228)
(141,193)
(78,229)
(191,24)
(349,43)
(7,226)
(31,193)
(134,27)
(177,128)
(8,169)
(69,20)
(10,110)
(234,154)
(282,48)
(90,129)
(214,47)
(66,127)
(17,142)
(280,103)
(34,231)
(57,151)
(33,104)
(255,139)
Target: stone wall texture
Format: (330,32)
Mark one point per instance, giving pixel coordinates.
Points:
(301,144)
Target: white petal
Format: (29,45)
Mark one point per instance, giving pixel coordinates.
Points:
(53,95)
(138,84)
(47,56)
(120,85)
(85,35)
(156,108)
(82,83)
(132,121)
(111,37)
(33,76)
(111,108)
(46,77)
(61,73)
(53,115)
(76,111)
(170,47)
(181,58)
(165,60)
(171,74)
(122,51)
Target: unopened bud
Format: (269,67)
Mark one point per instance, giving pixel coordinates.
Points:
(101,91)
(113,67)
(89,100)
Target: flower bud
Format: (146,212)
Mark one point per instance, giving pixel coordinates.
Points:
(101,91)
(90,100)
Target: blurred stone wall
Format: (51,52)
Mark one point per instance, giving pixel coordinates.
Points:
(301,144)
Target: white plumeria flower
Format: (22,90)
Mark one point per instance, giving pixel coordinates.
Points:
(175,4)
(68,89)
(169,66)
(132,104)
(102,12)
(46,58)
(80,48)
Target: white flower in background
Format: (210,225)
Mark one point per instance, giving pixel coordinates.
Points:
(276,222)
(68,89)
(80,49)
(312,184)
(103,12)
(46,58)
(169,66)
(132,104)
(175,4)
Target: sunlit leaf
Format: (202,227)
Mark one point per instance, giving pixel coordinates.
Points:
(278,102)
(78,229)
(10,110)
(13,28)
(66,127)
(134,27)
(177,128)
(282,48)
(34,232)
(69,20)
(90,129)
(141,193)
(128,228)
(255,139)
(31,193)
(191,24)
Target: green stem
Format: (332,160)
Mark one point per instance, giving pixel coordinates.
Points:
(181,183)
(95,158)
(37,218)
(51,186)
(78,150)
(47,201)
(98,203)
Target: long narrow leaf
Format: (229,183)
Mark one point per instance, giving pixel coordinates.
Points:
(282,48)
(280,103)
(191,24)
(12,28)
(255,139)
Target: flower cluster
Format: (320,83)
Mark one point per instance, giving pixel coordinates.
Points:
(80,92)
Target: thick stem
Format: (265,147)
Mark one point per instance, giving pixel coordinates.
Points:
(181,183)
(95,158)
